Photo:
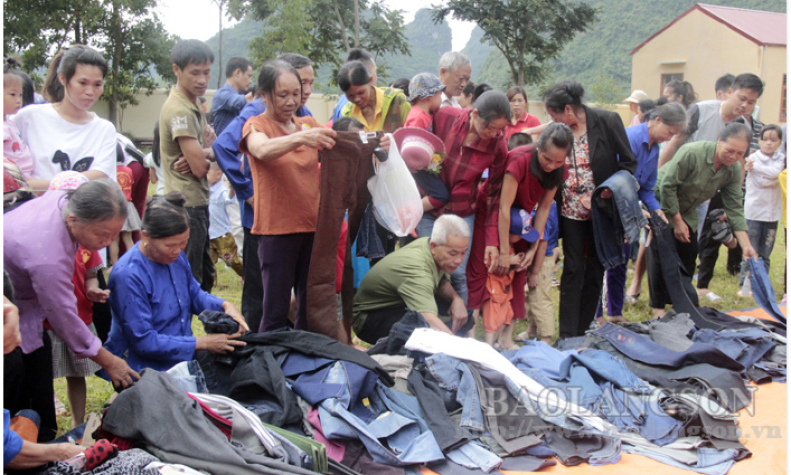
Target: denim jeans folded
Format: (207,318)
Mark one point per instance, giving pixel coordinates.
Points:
(744,348)
(643,349)
(455,377)
(616,218)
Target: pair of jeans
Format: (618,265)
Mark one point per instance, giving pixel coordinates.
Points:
(368,243)
(617,219)
(285,263)
(763,292)
(455,377)
(197,250)
(746,347)
(345,170)
(762,236)
(581,281)
(459,277)
(253,287)
(642,348)
(693,379)
(670,265)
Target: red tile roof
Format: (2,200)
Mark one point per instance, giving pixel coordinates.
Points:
(761,27)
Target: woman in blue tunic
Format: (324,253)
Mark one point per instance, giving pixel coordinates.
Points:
(154,295)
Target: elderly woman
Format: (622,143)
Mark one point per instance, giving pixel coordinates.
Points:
(40,243)
(378,109)
(474,142)
(601,148)
(283,151)
(696,173)
(533,174)
(521,121)
(154,295)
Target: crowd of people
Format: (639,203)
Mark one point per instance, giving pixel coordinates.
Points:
(501,195)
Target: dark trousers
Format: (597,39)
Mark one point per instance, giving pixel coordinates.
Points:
(709,250)
(344,175)
(379,322)
(581,282)
(285,261)
(253,288)
(685,252)
(197,250)
(616,285)
(27,384)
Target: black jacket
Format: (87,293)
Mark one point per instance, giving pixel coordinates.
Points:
(609,147)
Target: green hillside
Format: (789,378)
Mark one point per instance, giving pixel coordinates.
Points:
(592,58)
(603,52)
(427,40)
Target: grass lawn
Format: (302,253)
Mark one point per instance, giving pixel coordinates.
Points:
(230,288)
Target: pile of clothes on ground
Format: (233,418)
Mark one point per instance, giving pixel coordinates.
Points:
(294,402)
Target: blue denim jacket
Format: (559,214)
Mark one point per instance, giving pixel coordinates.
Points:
(388,423)
(616,218)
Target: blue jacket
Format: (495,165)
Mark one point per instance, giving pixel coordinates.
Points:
(234,164)
(226,104)
(647,164)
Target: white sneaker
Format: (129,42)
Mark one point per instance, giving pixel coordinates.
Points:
(712,297)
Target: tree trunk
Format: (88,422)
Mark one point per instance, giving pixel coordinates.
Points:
(342,27)
(219,52)
(521,81)
(118,49)
(356,23)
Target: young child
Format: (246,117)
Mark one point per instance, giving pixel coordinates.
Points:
(133,222)
(14,148)
(538,303)
(425,95)
(497,311)
(763,200)
(221,242)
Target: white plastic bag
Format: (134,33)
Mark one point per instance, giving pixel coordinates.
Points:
(396,200)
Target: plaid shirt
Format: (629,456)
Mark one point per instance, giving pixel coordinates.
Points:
(464,165)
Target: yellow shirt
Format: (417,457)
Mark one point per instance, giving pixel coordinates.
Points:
(379,118)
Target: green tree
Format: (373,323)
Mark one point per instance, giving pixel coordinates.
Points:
(136,44)
(319,29)
(529,33)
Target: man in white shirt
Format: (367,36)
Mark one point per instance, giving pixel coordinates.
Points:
(455,70)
